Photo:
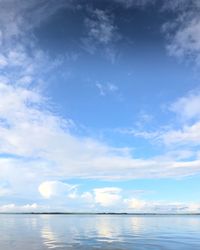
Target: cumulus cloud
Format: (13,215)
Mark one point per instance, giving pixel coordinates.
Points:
(49,189)
(135,204)
(107,197)
(116,199)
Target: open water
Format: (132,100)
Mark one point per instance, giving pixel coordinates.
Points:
(86,232)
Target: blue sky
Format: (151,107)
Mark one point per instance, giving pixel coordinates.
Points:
(100,105)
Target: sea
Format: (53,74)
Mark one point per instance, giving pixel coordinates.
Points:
(90,231)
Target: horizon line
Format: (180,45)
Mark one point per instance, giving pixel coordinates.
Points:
(96,213)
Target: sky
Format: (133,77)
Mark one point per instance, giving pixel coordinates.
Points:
(100,106)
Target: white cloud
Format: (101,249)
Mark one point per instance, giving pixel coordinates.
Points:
(106,199)
(4,191)
(181,154)
(187,110)
(187,40)
(184,131)
(186,135)
(88,197)
(108,196)
(29,130)
(99,199)
(114,199)
(42,147)
(187,107)
(49,189)
(136,205)
(10,208)
(193,207)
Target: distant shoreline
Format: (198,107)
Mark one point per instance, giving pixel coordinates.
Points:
(83,213)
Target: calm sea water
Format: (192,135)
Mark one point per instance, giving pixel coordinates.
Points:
(116,232)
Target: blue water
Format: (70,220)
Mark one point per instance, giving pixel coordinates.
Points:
(116,232)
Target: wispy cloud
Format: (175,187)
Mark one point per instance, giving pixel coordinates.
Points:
(105,89)
(187,110)
(102,33)
(101,27)
(184,132)
(187,135)
(187,107)
(135,3)
(17,17)
(183,31)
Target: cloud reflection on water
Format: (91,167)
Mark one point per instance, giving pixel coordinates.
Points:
(90,232)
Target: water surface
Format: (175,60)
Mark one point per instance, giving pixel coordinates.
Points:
(116,232)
